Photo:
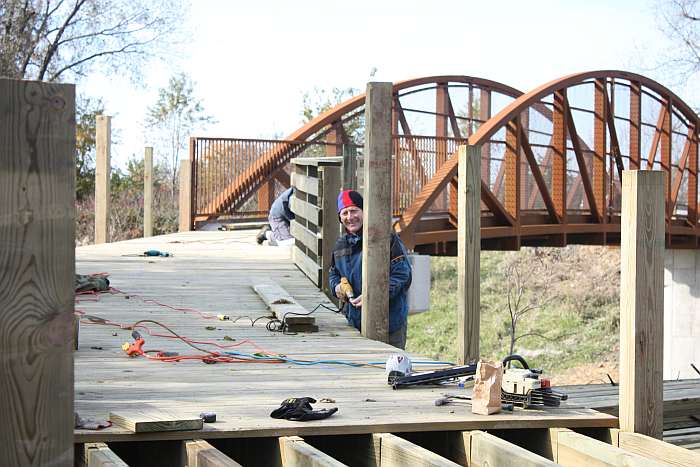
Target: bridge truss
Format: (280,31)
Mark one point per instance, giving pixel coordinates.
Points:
(552,159)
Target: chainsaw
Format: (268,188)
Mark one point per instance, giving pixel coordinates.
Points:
(524,386)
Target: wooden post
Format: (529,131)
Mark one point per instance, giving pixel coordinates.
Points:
(349,168)
(185,195)
(329,220)
(376,229)
(148,192)
(103,142)
(37,228)
(642,302)
(468,253)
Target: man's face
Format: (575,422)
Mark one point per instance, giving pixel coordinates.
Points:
(351,218)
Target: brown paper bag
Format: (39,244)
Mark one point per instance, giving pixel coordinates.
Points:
(486,398)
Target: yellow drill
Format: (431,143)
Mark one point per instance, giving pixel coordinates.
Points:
(346,292)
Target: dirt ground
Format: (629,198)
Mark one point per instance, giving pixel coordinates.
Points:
(590,373)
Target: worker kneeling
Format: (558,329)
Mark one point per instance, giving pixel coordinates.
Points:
(277,232)
(346,262)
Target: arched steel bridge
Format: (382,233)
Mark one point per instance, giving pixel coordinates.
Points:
(552,158)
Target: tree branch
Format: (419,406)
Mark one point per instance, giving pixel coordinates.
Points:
(54,46)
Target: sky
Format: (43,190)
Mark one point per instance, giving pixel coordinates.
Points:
(252,62)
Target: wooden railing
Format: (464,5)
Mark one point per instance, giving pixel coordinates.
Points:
(315,226)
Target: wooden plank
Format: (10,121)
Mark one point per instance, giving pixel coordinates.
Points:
(305,210)
(397,451)
(488,450)
(37,265)
(657,450)
(376,228)
(185,201)
(575,449)
(278,300)
(307,265)
(642,302)
(103,144)
(150,420)
(148,192)
(297,453)
(214,272)
(318,161)
(330,227)
(202,454)
(306,184)
(98,455)
(468,253)
(309,239)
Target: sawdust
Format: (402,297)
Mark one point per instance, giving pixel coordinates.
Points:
(282,301)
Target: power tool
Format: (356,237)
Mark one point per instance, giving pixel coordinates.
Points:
(524,387)
(346,292)
(135,349)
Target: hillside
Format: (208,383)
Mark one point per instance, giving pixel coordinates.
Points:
(564,302)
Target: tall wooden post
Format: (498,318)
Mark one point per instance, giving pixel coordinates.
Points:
(642,302)
(37,267)
(376,229)
(329,219)
(103,142)
(148,192)
(349,168)
(185,200)
(468,253)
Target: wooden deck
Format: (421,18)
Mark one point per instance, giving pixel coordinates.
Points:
(214,272)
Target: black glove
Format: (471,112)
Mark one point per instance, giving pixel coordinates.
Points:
(315,415)
(293,406)
(299,409)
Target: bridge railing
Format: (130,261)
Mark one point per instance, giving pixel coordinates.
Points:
(218,162)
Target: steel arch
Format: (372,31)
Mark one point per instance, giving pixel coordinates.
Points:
(509,220)
(270,162)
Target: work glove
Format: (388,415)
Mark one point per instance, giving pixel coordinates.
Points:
(299,409)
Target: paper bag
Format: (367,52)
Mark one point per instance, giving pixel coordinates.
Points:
(486,398)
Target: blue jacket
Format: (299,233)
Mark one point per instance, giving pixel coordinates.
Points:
(347,262)
(280,207)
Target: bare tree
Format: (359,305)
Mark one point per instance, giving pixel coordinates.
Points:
(679,21)
(176,114)
(526,277)
(50,40)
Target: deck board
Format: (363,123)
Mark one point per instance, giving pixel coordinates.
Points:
(214,272)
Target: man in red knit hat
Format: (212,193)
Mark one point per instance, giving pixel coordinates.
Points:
(347,262)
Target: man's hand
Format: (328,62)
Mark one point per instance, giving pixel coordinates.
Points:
(356,302)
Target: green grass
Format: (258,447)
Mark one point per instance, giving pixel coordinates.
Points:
(579,320)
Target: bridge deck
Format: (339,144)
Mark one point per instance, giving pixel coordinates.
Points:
(213,272)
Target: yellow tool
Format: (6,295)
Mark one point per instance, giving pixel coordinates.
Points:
(346,292)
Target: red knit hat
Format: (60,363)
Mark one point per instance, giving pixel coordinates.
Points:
(349,198)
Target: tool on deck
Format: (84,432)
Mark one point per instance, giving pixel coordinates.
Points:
(431,377)
(164,254)
(346,293)
(136,348)
(447,398)
(208,417)
(524,387)
(520,386)
(152,253)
